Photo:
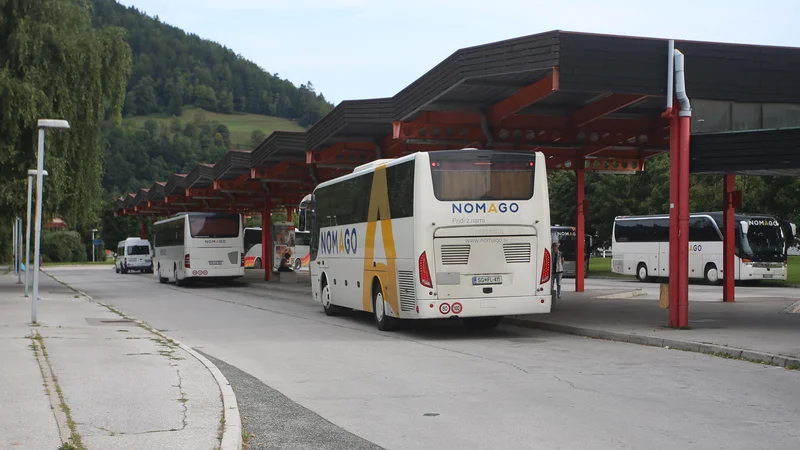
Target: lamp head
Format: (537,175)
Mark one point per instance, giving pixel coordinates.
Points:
(53,123)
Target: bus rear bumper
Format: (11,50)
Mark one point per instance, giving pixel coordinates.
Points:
(214,273)
(484,307)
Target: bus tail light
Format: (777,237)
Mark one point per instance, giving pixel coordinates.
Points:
(242,260)
(545,268)
(424,271)
(186,262)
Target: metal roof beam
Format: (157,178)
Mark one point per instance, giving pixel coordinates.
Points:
(524,97)
(603,107)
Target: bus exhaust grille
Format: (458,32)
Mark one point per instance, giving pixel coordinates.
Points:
(408,296)
(453,255)
(517,252)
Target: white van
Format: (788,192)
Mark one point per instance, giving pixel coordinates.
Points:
(134,254)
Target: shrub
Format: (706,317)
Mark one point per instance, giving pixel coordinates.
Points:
(63,246)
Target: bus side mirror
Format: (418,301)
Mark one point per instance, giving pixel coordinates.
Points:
(301,221)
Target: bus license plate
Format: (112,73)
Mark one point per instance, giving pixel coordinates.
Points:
(215,263)
(768,275)
(494,279)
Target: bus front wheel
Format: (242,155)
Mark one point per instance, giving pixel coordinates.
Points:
(711,274)
(330,309)
(641,272)
(382,320)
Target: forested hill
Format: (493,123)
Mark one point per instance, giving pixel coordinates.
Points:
(172,68)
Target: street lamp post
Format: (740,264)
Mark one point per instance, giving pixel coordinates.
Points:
(42,124)
(18,245)
(93,246)
(31,174)
(14,244)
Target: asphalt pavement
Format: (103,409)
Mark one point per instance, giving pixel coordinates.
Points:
(435,385)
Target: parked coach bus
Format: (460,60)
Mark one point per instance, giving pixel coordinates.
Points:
(206,246)
(456,233)
(566,237)
(640,246)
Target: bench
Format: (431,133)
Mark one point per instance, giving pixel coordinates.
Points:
(286,277)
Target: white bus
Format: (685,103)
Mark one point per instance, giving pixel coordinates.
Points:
(252,248)
(455,233)
(207,246)
(566,238)
(640,246)
(302,250)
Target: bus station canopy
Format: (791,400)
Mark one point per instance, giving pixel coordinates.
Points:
(587,101)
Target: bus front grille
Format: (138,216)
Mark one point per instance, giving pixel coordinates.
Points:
(518,252)
(408,296)
(455,254)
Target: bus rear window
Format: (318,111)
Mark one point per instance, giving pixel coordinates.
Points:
(138,250)
(214,227)
(464,175)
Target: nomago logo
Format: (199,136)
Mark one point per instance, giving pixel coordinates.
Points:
(215,241)
(483,207)
(764,222)
(341,242)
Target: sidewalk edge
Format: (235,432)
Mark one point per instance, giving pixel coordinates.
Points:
(788,362)
(232,428)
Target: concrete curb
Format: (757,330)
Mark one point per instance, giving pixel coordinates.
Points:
(667,343)
(232,428)
(629,294)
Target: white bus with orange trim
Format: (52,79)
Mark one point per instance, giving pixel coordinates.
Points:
(443,234)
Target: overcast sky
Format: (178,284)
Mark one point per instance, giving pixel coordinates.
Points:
(355,49)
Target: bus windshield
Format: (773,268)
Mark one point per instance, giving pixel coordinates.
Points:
(217,226)
(470,175)
(566,244)
(764,242)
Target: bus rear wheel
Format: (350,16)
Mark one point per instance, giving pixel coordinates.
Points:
(257,263)
(641,272)
(382,320)
(711,274)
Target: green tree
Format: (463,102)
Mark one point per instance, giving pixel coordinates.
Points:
(170,57)
(205,98)
(225,102)
(145,95)
(257,137)
(53,64)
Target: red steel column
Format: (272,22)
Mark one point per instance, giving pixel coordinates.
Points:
(683,223)
(729,240)
(266,242)
(580,173)
(144,230)
(674,160)
(289,217)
